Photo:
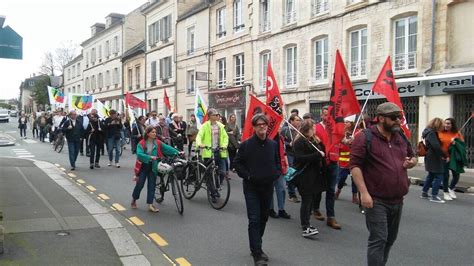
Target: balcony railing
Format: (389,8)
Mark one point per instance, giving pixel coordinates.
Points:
(265,22)
(239,80)
(405,61)
(221,84)
(319,7)
(289,17)
(320,73)
(290,79)
(359,68)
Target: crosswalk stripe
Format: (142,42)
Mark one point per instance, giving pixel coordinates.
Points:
(26,156)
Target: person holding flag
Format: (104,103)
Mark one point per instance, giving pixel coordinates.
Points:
(95,139)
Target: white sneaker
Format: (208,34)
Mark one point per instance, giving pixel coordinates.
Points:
(310,231)
(437,199)
(109,164)
(452,194)
(446,196)
(117,165)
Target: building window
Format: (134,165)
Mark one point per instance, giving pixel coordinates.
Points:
(165,69)
(79,89)
(220,22)
(107,49)
(191,40)
(79,69)
(319,7)
(100,53)
(107,78)
(350,2)
(165,28)
(93,83)
(101,81)
(405,30)
(358,53)
(239,69)
(116,45)
(87,59)
(137,76)
(321,59)
(264,15)
(73,74)
(116,76)
(129,79)
(68,74)
(88,84)
(238,16)
(221,73)
(93,56)
(291,66)
(264,59)
(290,12)
(190,81)
(153,73)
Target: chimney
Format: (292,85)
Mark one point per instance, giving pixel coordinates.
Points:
(113,18)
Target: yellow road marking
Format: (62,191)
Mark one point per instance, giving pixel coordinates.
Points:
(118,207)
(80,181)
(71,175)
(136,221)
(113,208)
(103,196)
(183,262)
(158,239)
(91,188)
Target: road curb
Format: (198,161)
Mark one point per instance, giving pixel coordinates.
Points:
(419,181)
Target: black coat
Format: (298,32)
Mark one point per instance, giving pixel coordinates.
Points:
(76,132)
(98,135)
(113,128)
(22,125)
(434,162)
(313,178)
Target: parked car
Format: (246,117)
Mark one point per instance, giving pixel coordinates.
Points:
(4,116)
(13,113)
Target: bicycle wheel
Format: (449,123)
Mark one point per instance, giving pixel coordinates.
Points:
(218,190)
(190,184)
(178,198)
(159,191)
(60,145)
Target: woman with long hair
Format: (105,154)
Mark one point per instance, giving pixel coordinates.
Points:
(233,131)
(311,167)
(147,153)
(435,160)
(447,136)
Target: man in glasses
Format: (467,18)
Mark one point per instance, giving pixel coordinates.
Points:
(258,163)
(380,157)
(152,120)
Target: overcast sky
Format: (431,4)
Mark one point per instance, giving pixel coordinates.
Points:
(44,25)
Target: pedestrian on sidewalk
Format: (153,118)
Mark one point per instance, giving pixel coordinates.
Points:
(74,131)
(311,180)
(379,168)
(447,136)
(34,125)
(150,150)
(95,135)
(22,125)
(42,123)
(113,126)
(435,160)
(258,163)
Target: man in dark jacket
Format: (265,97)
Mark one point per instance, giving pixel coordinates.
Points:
(113,126)
(380,173)
(258,163)
(74,131)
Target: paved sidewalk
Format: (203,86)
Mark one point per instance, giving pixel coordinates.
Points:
(47,225)
(465,184)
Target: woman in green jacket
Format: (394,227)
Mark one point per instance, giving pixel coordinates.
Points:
(150,154)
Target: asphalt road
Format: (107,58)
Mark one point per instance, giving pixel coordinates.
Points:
(430,233)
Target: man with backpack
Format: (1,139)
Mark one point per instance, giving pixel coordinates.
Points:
(380,157)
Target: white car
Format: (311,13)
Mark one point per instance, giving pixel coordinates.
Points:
(4,117)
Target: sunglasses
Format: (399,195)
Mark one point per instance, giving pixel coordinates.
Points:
(261,124)
(394,116)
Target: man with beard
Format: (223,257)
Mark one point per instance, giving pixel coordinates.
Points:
(380,157)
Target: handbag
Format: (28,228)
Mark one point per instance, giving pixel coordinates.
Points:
(421,149)
(292,173)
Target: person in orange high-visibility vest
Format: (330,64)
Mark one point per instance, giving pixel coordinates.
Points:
(344,157)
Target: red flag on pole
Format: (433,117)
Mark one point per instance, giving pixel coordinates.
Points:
(133,101)
(255,107)
(343,102)
(385,85)
(167,101)
(273,92)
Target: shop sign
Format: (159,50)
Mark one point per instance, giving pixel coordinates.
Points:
(233,98)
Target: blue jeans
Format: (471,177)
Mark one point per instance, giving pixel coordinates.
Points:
(113,143)
(291,186)
(122,137)
(279,186)
(342,176)
(434,180)
(257,200)
(151,185)
(454,182)
(73,148)
(330,192)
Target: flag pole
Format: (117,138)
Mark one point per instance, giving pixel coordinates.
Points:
(301,134)
(472,114)
(362,111)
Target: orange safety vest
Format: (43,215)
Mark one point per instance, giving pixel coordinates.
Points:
(344,155)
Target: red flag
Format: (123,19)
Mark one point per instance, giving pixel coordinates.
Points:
(343,102)
(385,85)
(273,92)
(167,101)
(255,107)
(133,101)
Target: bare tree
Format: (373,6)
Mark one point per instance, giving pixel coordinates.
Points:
(48,66)
(64,54)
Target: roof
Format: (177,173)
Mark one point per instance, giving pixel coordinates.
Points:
(102,32)
(151,6)
(137,49)
(198,8)
(74,60)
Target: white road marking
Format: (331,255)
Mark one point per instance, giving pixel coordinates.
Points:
(26,156)
(22,153)
(30,141)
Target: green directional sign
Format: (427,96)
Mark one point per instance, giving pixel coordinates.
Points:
(11,44)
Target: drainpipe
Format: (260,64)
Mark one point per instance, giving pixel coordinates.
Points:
(145,91)
(176,62)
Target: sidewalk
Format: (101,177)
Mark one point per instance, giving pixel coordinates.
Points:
(46,225)
(465,184)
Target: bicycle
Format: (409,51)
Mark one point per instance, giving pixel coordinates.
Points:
(58,143)
(171,164)
(196,173)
